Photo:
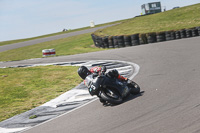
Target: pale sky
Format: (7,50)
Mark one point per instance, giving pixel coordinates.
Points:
(29,18)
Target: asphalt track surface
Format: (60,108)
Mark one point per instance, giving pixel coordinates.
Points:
(169,77)
(46,39)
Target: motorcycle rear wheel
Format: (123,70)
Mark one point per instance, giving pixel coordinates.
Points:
(111,96)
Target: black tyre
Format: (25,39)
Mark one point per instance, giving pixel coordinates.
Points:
(168,38)
(198,29)
(183,33)
(160,39)
(177,35)
(93,38)
(188,33)
(135,88)
(135,42)
(127,41)
(99,42)
(143,39)
(110,42)
(168,35)
(150,40)
(111,96)
(173,36)
(194,32)
(127,44)
(105,42)
(115,41)
(120,40)
(151,37)
(160,36)
(135,39)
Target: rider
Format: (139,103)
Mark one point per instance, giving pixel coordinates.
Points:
(84,72)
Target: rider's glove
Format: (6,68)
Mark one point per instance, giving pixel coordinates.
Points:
(103,69)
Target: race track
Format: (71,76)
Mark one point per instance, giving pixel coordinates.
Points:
(169,78)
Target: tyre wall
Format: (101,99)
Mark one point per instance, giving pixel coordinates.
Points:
(144,38)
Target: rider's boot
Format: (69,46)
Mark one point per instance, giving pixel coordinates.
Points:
(102,101)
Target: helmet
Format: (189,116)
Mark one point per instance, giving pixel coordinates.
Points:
(83,72)
(113,73)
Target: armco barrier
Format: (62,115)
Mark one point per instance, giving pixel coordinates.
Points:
(144,38)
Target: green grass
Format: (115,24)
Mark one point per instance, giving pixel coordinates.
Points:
(53,34)
(185,17)
(67,46)
(22,89)
(43,36)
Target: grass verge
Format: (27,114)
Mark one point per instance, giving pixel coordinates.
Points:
(22,89)
(53,34)
(67,46)
(185,17)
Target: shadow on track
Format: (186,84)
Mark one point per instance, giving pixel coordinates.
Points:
(129,98)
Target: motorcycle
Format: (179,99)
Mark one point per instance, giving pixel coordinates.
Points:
(110,90)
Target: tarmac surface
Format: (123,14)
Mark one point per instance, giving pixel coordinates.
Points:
(169,78)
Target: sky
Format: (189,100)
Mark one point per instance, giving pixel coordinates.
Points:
(21,19)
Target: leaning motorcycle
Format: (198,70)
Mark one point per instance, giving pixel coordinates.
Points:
(110,90)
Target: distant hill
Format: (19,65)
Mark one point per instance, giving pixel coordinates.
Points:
(175,19)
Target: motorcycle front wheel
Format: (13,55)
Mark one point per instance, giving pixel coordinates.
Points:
(135,88)
(111,96)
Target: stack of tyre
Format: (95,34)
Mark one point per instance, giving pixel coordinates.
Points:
(143,38)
